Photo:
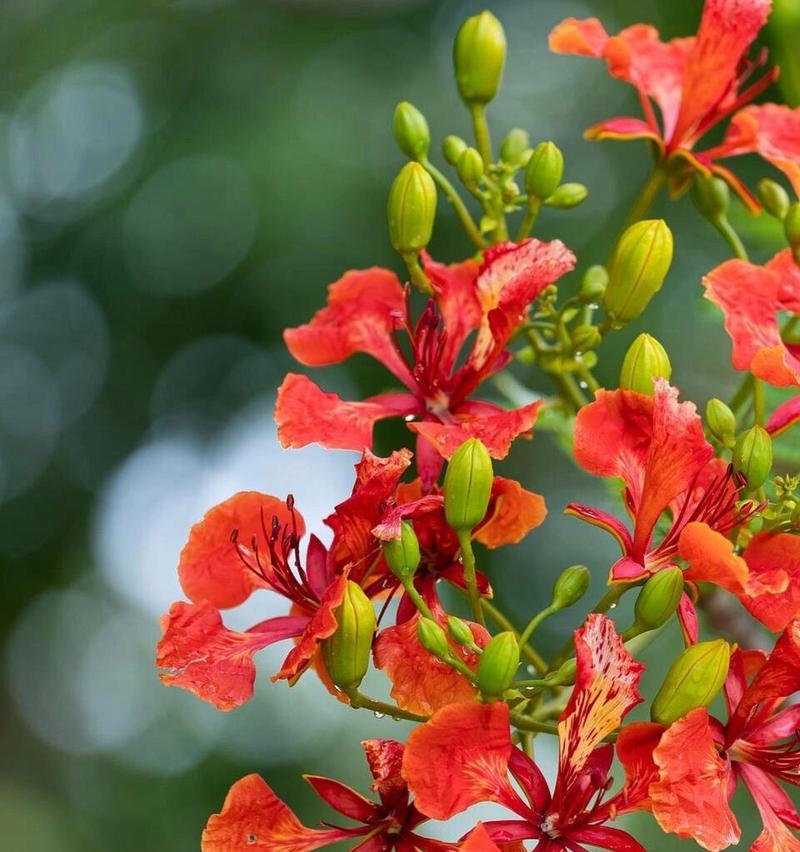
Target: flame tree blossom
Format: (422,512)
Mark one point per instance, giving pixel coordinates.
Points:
(464,755)
(457,343)
(695,82)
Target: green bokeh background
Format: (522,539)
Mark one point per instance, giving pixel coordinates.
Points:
(179,181)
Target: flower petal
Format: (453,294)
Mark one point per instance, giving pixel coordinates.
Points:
(496,431)
(774,563)
(513,512)
(478,840)
(305,414)
(605,837)
(210,567)
(364,307)
(623,128)
(420,682)
(459,758)
(200,654)
(690,797)
(253,817)
(784,417)
(343,798)
(749,298)
(634,748)
(385,759)
(712,559)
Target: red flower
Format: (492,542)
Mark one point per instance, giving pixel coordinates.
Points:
(253,817)
(698,761)
(367,311)
(252,541)
(751,298)
(695,82)
(464,756)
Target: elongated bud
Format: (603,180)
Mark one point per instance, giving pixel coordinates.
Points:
(791,225)
(452,148)
(571,586)
(411,131)
(659,598)
(773,198)
(402,554)
(584,338)
(498,664)
(468,485)
(593,284)
(470,167)
(479,54)
(640,264)
(459,631)
(432,638)
(411,209)
(693,681)
(545,170)
(721,421)
(711,197)
(346,653)
(752,456)
(516,147)
(645,360)
(567,196)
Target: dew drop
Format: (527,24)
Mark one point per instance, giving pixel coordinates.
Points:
(613,606)
(378,715)
(593,306)
(530,669)
(409,418)
(583,385)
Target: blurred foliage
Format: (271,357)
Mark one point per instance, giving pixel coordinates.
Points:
(178,182)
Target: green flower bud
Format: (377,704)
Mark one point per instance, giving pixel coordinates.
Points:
(640,264)
(584,338)
(516,146)
(411,209)
(791,224)
(645,360)
(346,653)
(571,585)
(452,148)
(402,554)
(468,485)
(479,54)
(411,131)
(567,196)
(721,420)
(565,674)
(773,198)
(470,167)
(498,664)
(459,631)
(432,638)
(711,197)
(693,681)
(659,598)
(593,284)
(752,456)
(545,170)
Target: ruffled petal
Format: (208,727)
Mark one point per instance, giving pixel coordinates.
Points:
(585,37)
(727,29)
(690,797)
(712,559)
(321,626)
(364,307)
(634,747)
(420,682)
(786,268)
(198,653)
(210,567)
(513,512)
(606,688)
(391,526)
(385,760)
(305,414)
(460,758)
(496,431)
(749,298)
(774,563)
(253,817)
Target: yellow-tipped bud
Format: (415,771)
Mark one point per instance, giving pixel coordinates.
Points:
(346,653)
(693,681)
(468,485)
(411,131)
(479,54)
(411,209)
(640,264)
(402,554)
(645,360)
(498,664)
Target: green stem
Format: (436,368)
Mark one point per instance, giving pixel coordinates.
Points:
(501,621)
(731,237)
(417,274)
(742,394)
(534,206)
(417,600)
(525,723)
(451,193)
(480,126)
(759,413)
(468,558)
(534,623)
(646,197)
(359,701)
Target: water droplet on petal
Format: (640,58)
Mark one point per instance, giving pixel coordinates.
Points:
(409,418)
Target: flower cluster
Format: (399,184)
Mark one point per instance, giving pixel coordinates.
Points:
(709,547)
